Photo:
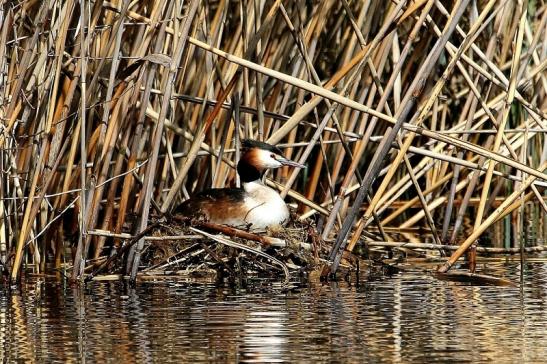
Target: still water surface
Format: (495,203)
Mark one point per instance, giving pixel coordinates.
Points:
(408,317)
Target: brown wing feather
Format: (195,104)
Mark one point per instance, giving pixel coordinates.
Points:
(216,205)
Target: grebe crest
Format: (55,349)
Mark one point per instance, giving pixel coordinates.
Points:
(254,205)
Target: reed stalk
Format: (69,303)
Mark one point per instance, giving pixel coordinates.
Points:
(410,114)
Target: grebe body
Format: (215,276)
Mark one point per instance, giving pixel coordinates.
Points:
(254,205)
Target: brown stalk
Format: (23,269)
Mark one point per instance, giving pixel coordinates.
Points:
(148,180)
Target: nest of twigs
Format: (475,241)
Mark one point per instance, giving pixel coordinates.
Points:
(198,248)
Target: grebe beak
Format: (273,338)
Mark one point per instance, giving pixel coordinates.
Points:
(287,162)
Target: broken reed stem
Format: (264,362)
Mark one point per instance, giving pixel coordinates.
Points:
(480,249)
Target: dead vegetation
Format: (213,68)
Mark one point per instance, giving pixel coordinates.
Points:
(410,115)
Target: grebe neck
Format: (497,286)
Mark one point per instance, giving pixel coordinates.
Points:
(248,173)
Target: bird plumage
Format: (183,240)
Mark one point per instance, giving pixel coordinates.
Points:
(254,205)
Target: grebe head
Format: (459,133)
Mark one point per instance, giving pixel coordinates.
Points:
(259,156)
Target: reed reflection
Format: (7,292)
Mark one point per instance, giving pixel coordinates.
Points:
(410,316)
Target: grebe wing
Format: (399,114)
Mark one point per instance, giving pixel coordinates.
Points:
(206,201)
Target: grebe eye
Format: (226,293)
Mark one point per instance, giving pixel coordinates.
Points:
(272,156)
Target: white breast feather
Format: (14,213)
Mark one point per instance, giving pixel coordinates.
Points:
(265,206)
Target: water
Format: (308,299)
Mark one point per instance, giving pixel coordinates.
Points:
(408,317)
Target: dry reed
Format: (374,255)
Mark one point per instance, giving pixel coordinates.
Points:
(407,113)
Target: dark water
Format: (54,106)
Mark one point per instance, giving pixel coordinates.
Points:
(408,317)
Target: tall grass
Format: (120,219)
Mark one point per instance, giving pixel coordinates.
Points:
(404,112)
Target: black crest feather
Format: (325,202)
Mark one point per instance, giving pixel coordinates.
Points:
(249,144)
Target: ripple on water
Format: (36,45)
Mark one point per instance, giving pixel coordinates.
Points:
(410,317)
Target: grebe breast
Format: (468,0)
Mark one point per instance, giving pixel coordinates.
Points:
(264,206)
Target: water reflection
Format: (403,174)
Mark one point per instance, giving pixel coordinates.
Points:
(410,317)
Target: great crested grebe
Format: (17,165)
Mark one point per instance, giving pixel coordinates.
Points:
(254,205)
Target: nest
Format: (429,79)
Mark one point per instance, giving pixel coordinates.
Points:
(197,248)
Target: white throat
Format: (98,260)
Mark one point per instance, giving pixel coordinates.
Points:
(265,206)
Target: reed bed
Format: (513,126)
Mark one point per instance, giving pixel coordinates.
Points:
(409,114)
